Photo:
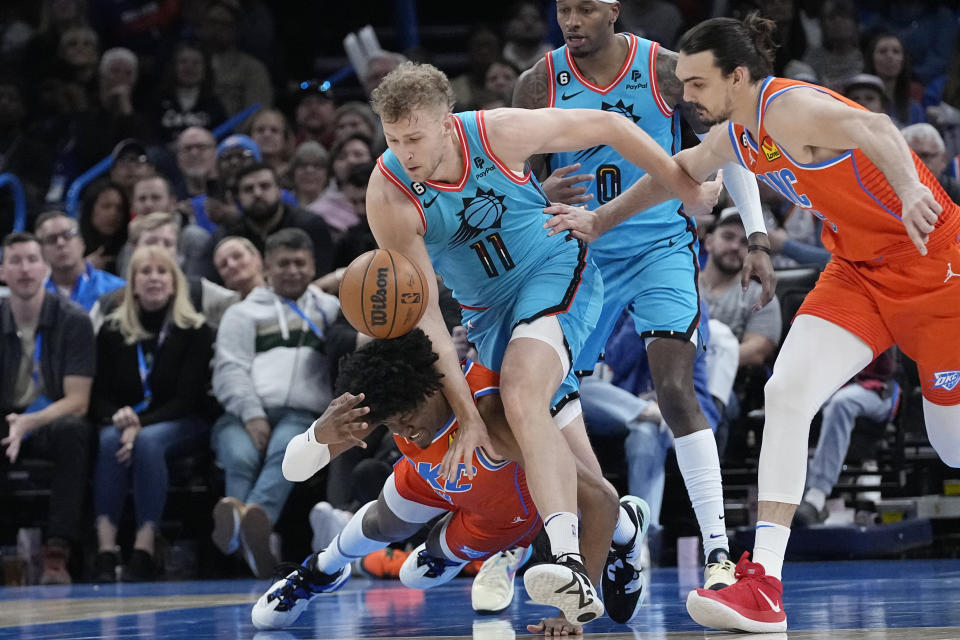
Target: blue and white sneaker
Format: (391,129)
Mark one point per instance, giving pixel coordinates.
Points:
(287,598)
(423,571)
(623,579)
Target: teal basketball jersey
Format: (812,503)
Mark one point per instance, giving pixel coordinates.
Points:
(632,94)
(485,234)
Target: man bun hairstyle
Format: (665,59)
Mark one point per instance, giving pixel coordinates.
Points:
(748,43)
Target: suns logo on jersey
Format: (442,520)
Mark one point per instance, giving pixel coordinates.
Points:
(770,149)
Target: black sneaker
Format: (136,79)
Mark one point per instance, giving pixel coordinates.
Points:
(105,566)
(140,568)
(623,579)
(564,584)
(807,515)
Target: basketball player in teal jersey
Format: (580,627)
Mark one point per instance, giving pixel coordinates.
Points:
(649,262)
(452,193)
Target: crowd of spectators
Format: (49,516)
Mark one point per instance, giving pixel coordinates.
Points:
(190,206)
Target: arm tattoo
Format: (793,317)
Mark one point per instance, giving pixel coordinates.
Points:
(532,89)
(671,89)
(532,92)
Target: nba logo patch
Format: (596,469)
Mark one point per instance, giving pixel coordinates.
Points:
(947,380)
(770,149)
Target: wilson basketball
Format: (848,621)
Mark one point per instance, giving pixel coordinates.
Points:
(383,293)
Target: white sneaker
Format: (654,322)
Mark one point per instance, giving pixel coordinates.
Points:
(623,580)
(423,571)
(288,597)
(326,522)
(564,584)
(492,589)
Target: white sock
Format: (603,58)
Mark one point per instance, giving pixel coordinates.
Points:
(815,497)
(626,529)
(769,547)
(563,529)
(349,544)
(700,466)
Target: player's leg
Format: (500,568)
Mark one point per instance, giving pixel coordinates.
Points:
(943,430)
(817,357)
(389,518)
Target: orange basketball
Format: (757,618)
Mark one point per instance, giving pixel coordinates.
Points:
(383,293)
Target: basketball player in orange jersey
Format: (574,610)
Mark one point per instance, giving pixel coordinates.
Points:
(895,236)
(454,194)
(397,383)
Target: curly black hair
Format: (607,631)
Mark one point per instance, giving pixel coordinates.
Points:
(395,375)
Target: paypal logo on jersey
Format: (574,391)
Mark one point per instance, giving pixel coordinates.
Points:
(782,182)
(431,473)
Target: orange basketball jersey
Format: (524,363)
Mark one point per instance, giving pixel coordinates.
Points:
(497,487)
(858,207)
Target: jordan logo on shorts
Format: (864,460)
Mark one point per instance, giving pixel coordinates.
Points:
(950,273)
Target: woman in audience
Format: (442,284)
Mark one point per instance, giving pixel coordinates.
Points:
(271,131)
(333,206)
(150,395)
(886,58)
(308,173)
(103,223)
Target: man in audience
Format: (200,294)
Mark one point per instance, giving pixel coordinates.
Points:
(271,374)
(197,162)
(928,144)
(70,275)
(130,164)
(46,372)
(314,114)
(264,212)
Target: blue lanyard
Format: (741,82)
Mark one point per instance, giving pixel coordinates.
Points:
(313,327)
(37,349)
(146,370)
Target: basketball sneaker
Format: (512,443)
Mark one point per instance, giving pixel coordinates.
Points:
(564,584)
(492,589)
(754,603)
(287,598)
(623,588)
(719,573)
(423,571)
(383,563)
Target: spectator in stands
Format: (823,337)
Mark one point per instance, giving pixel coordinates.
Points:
(839,56)
(71,276)
(357,239)
(263,212)
(239,79)
(926,28)
(868,91)
(656,20)
(333,207)
(500,78)
(314,114)
(272,377)
(872,394)
(150,398)
(271,131)
(483,48)
(78,53)
(239,264)
(308,173)
(115,115)
(46,371)
(885,57)
(758,330)
(129,164)
(103,224)
(151,194)
(355,118)
(927,143)
(185,98)
(197,162)
(525,34)
(378,66)
(56,17)
(233,154)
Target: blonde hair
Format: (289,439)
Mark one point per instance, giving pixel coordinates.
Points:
(125,317)
(408,87)
(244,242)
(151,222)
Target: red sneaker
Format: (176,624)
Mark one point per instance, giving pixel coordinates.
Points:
(384,564)
(754,603)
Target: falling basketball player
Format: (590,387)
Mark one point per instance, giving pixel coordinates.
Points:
(893,232)
(453,193)
(399,384)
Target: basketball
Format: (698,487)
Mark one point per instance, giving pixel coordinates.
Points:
(383,293)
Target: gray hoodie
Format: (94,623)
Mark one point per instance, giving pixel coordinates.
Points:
(267,355)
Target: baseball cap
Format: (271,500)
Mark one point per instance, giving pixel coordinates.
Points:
(863,80)
(239,140)
(129,148)
(728,216)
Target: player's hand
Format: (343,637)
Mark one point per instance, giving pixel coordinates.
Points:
(577,221)
(558,626)
(920,213)
(560,186)
(259,430)
(341,421)
(758,265)
(704,197)
(471,434)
